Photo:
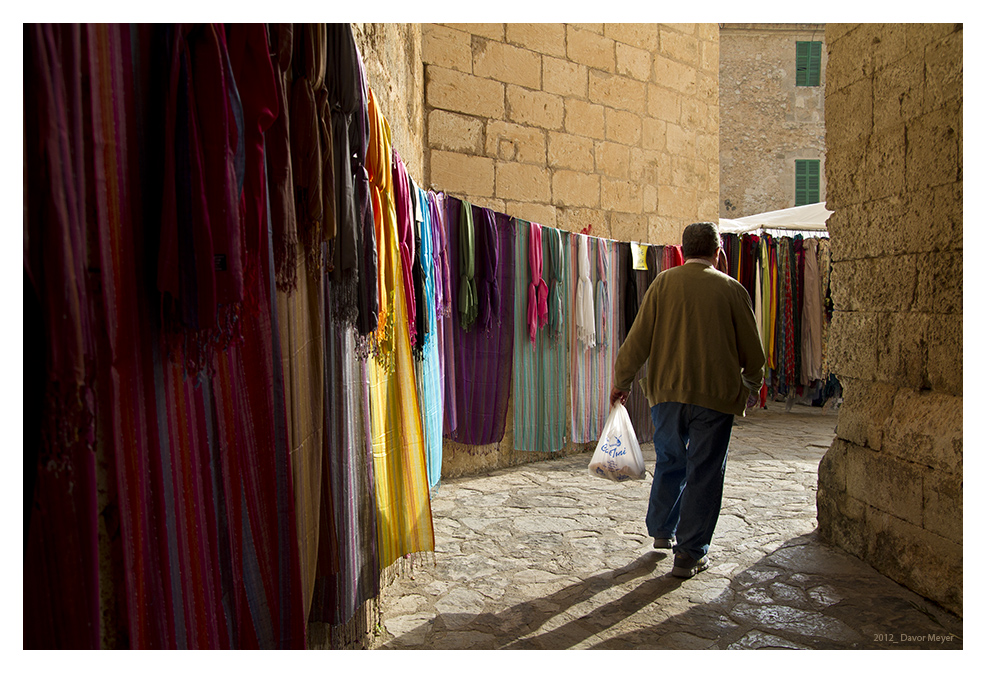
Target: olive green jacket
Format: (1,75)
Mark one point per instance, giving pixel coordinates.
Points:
(696,330)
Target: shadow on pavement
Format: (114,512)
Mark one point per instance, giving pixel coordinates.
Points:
(803,595)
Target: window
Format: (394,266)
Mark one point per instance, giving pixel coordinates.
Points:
(806,181)
(808,63)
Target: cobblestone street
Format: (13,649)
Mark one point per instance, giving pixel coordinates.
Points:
(544,556)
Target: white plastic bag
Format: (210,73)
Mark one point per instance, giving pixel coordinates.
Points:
(618,455)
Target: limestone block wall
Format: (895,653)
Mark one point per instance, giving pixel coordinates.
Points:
(570,125)
(891,486)
(392,56)
(766,122)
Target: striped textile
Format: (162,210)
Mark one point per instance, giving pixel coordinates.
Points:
(483,359)
(300,316)
(445,309)
(541,369)
(591,368)
(404,516)
(348,572)
(61,574)
(430,379)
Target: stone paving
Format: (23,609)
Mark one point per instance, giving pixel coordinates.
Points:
(545,556)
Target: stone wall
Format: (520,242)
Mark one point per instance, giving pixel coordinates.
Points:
(766,122)
(392,55)
(570,125)
(890,487)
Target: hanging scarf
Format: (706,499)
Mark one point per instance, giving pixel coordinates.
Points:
(250,61)
(467,265)
(368,304)
(406,242)
(541,369)
(306,136)
(555,290)
(602,304)
(278,147)
(537,289)
(585,319)
(352,221)
(488,289)
(630,286)
(483,360)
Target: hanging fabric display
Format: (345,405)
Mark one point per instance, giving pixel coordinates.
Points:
(404,517)
(405,227)
(788,280)
(430,378)
(482,358)
(604,282)
(348,571)
(592,368)
(585,316)
(278,147)
(537,289)
(556,288)
(487,259)
(347,107)
(541,366)
(64,588)
(446,310)
(467,266)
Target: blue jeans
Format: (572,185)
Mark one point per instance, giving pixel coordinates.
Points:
(691,449)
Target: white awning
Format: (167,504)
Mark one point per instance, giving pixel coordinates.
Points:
(808,218)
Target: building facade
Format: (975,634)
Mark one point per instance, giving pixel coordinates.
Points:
(772,117)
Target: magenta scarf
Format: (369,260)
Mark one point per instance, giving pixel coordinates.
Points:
(406,239)
(537,288)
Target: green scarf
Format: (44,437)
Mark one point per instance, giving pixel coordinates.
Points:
(468,305)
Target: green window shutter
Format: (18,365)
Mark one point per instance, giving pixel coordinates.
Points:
(808,63)
(806,181)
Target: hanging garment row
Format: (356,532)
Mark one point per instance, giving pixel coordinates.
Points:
(261,328)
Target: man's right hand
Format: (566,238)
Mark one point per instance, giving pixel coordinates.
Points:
(616,395)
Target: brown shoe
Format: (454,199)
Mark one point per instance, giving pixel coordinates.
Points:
(687,567)
(664,543)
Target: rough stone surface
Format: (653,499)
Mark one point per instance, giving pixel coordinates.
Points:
(544,556)
(890,490)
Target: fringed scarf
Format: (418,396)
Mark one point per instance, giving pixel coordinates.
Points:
(467,267)
(602,304)
(591,370)
(487,257)
(308,154)
(401,481)
(353,222)
(280,179)
(250,61)
(556,293)
(483,359)
(438,204)
(585,317)
(541,368)
(430,380)
(537,288)
(406,243)
(200,263)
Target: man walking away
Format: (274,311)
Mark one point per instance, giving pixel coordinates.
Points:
(697,331)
